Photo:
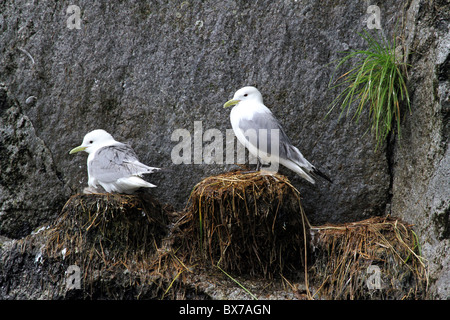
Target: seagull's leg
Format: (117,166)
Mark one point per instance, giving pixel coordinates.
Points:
(258,167)
(258,164)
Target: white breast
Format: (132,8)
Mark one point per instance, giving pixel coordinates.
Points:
(246,110)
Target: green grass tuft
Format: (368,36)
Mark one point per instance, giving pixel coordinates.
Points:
(376,81)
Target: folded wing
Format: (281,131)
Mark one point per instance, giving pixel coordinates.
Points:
(115,162)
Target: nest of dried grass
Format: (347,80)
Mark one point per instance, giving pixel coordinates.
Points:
(111,236)
(110,223)
(246,222)
(377,258)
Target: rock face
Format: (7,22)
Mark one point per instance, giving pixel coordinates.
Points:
(31,189)
(142,70)
(421,162)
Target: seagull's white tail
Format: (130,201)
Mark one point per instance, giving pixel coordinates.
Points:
(132,183)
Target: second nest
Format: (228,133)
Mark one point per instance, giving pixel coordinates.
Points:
(247,222)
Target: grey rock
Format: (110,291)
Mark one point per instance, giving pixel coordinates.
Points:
(140,71)
(31,191)
(421,161)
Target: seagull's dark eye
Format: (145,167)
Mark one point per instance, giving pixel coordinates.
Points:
(245,94)
(91,142)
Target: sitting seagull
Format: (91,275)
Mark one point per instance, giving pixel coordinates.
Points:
(112,164)
(250,114)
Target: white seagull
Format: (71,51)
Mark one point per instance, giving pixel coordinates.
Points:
(249,114)
(112,164)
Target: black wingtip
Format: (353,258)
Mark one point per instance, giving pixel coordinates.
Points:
(321,174)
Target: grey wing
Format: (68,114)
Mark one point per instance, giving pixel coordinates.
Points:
(263,141)
(118,161)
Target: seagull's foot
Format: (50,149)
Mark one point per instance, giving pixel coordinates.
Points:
(92,190)
(267,172)
(249,171)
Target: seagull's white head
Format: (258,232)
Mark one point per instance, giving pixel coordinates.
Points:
(93,141)
(245,94)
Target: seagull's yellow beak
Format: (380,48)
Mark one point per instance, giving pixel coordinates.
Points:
(77,149)
(230,103)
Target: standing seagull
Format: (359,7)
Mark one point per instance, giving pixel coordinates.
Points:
(249,114)
(112,164)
